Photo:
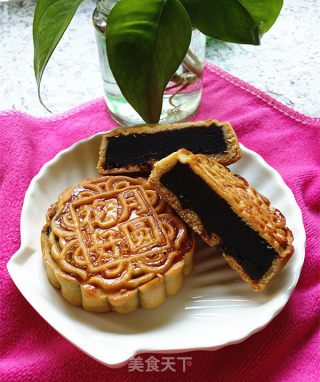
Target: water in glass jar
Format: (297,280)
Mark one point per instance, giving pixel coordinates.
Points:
(182,95)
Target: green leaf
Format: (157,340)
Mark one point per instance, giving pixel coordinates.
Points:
(238,21)
(51,19)
(263,12)
(146,42)
(226,20)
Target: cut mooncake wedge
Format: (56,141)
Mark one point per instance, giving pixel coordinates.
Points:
(113,244)
(225,211)
(138,148)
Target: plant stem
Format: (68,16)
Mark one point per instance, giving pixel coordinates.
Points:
(192,73)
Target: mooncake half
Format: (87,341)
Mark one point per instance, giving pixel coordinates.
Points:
(113,244)
(137,149)
(226,212)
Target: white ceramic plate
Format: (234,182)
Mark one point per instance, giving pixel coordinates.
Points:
(214,308)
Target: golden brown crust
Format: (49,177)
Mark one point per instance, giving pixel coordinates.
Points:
(252,207)
(112,244)
(232,154)
(188,215)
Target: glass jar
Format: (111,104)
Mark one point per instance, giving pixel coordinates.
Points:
(183,93)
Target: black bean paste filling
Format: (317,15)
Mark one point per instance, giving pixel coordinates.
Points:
(238,239)
(124,150)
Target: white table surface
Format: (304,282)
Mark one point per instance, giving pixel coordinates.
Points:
(286,65)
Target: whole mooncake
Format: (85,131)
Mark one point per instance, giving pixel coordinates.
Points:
(112,244)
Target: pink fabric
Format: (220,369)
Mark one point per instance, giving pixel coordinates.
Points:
(286,350)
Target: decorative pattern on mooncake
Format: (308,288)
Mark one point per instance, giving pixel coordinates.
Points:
(112,243)
(227,212)
(138,148)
